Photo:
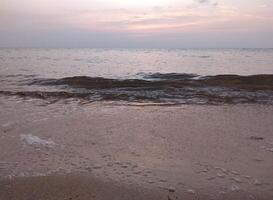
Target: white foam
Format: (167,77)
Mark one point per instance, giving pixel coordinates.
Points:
(34,140)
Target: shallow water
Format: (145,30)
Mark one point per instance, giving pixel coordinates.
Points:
(145,75)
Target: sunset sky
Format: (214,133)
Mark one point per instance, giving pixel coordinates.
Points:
(136,23)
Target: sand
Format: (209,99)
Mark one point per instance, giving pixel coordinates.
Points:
(104,151)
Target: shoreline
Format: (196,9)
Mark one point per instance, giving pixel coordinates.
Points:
(133,152)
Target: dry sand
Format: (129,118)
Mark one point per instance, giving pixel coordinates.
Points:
(103,151)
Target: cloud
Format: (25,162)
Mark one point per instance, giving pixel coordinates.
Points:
(148,20)
(203,1)
(208,2)
(99,26)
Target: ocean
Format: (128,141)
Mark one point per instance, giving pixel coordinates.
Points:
(162,76)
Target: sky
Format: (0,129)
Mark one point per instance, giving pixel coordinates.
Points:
(136,23)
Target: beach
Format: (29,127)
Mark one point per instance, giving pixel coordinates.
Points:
(136,100)
(104,150)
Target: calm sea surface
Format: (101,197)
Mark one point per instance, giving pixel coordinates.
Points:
(129,62)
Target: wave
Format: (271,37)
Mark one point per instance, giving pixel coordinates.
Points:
(157,80)
(158,88)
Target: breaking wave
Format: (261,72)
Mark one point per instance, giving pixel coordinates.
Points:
(157,88)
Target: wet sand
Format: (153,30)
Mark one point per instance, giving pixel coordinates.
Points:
(104,151)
